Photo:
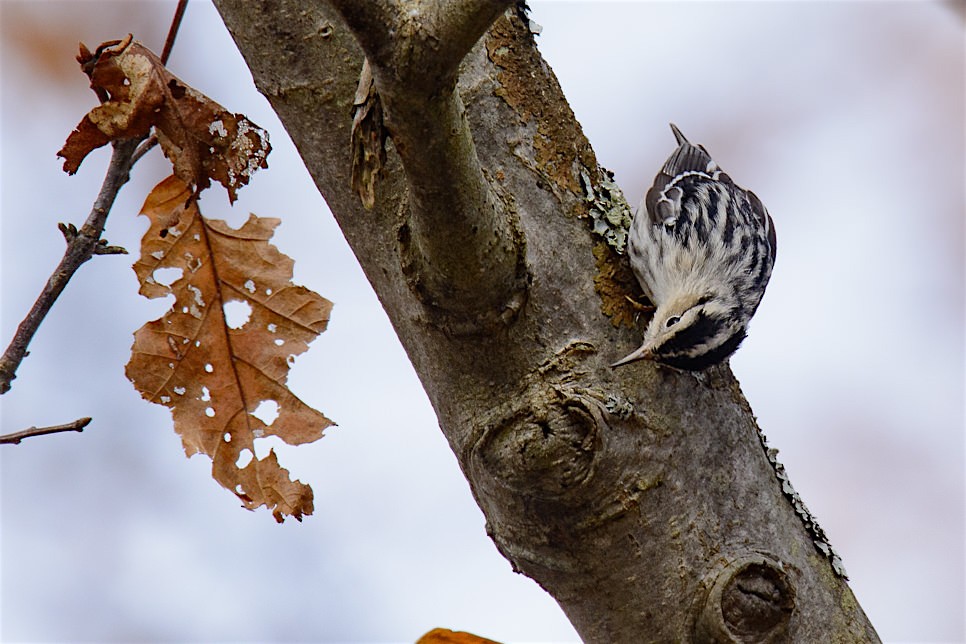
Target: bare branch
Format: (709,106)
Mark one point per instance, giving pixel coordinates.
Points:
(173,30)
(84,243)
(144,148)
(81,246)
(15,438)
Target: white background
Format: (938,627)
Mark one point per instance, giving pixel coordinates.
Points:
(847,119)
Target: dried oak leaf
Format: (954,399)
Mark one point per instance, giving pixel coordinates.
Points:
(214,370)
(202,139)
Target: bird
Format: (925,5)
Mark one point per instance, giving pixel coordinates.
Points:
(702,249)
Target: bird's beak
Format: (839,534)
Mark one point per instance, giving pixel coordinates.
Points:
(642,353)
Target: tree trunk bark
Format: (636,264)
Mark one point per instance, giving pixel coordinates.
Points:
(643,499)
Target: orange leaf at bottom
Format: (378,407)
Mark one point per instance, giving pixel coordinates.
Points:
(446,636)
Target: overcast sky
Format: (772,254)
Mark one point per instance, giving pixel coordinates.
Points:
(847,119)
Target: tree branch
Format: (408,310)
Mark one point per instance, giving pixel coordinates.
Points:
(84,243)
(80,247)
(419,44)
(642,500)
(173,30)
(463,255)
(15,438)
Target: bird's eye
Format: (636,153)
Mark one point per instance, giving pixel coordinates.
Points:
(671,321)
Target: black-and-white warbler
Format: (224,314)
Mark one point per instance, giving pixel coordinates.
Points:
(702,249)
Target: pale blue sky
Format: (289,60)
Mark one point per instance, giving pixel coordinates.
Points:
(847,119)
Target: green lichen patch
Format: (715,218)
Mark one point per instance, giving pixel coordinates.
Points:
(608,209)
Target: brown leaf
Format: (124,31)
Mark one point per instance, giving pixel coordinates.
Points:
(212,371)
(446,636)
(368,138)
(202,139)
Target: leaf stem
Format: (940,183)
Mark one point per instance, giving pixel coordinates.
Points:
(144,148)
(173,30)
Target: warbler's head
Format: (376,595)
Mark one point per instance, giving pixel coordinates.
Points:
(691,333)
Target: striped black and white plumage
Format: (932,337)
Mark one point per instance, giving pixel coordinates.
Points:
(702,249)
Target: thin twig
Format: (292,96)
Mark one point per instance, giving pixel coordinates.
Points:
(144,148)
(80,248)
(173,31)
(84,243)
(15,438)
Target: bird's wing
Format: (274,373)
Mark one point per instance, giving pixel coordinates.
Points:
(766,221)
(687,158)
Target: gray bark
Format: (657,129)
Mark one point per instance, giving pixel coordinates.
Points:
(642,499)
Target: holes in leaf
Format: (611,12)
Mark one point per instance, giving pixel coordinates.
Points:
(196,293)
(217,128)
(237,313)
(267,411)
(177,89)
(167,276)
(265,445)
(205,394)
(244,458)
(210,412)
(209,368)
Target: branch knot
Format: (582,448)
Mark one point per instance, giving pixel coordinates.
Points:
(751,600)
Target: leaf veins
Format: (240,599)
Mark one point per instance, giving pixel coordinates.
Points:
(213,372)
(202,139)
